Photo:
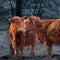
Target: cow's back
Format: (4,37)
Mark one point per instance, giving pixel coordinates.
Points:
(53,32)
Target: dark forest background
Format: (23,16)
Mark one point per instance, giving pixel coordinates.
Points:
(26,8)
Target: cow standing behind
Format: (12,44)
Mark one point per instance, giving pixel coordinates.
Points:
(20,36)
(48,31)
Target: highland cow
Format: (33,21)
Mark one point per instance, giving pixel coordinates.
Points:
(20,36)
(48,31)
(14,27)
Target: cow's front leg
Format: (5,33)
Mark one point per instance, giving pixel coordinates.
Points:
(32,50)
(15,48)
(16,51)
(21,51)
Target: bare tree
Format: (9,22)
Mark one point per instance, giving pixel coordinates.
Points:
(12,10)
(40,10)
(35,7)
(18,7)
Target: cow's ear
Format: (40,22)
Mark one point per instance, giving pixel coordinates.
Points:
(30,18)
(11,20)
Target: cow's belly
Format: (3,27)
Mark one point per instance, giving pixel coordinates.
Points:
(55,40)
(29,43)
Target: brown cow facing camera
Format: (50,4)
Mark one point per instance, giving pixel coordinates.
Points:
(20,36)
(14,24)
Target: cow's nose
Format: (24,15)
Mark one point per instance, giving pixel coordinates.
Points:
(20,29)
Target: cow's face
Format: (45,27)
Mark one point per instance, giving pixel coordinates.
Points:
(35,21)
(16,23)
(27,24)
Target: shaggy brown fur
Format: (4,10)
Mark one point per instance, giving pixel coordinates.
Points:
(48,31)
(32,29)
(20,36)
(15,23)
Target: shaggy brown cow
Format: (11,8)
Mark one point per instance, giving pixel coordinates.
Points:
(20,36)
(48,31)
(14,27)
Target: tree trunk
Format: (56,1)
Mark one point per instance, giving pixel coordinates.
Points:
(18,13)
(19,7)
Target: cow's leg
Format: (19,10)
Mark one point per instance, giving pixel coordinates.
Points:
(15,48)
(15,51)
(32,49)
(49,48)
(21,51)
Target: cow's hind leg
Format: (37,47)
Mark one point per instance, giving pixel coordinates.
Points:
(49,48)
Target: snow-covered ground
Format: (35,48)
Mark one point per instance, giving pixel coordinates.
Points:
(40,50)
(4,43)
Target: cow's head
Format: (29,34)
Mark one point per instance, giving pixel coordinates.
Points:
(16,22)
(35,21)
(38,25)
